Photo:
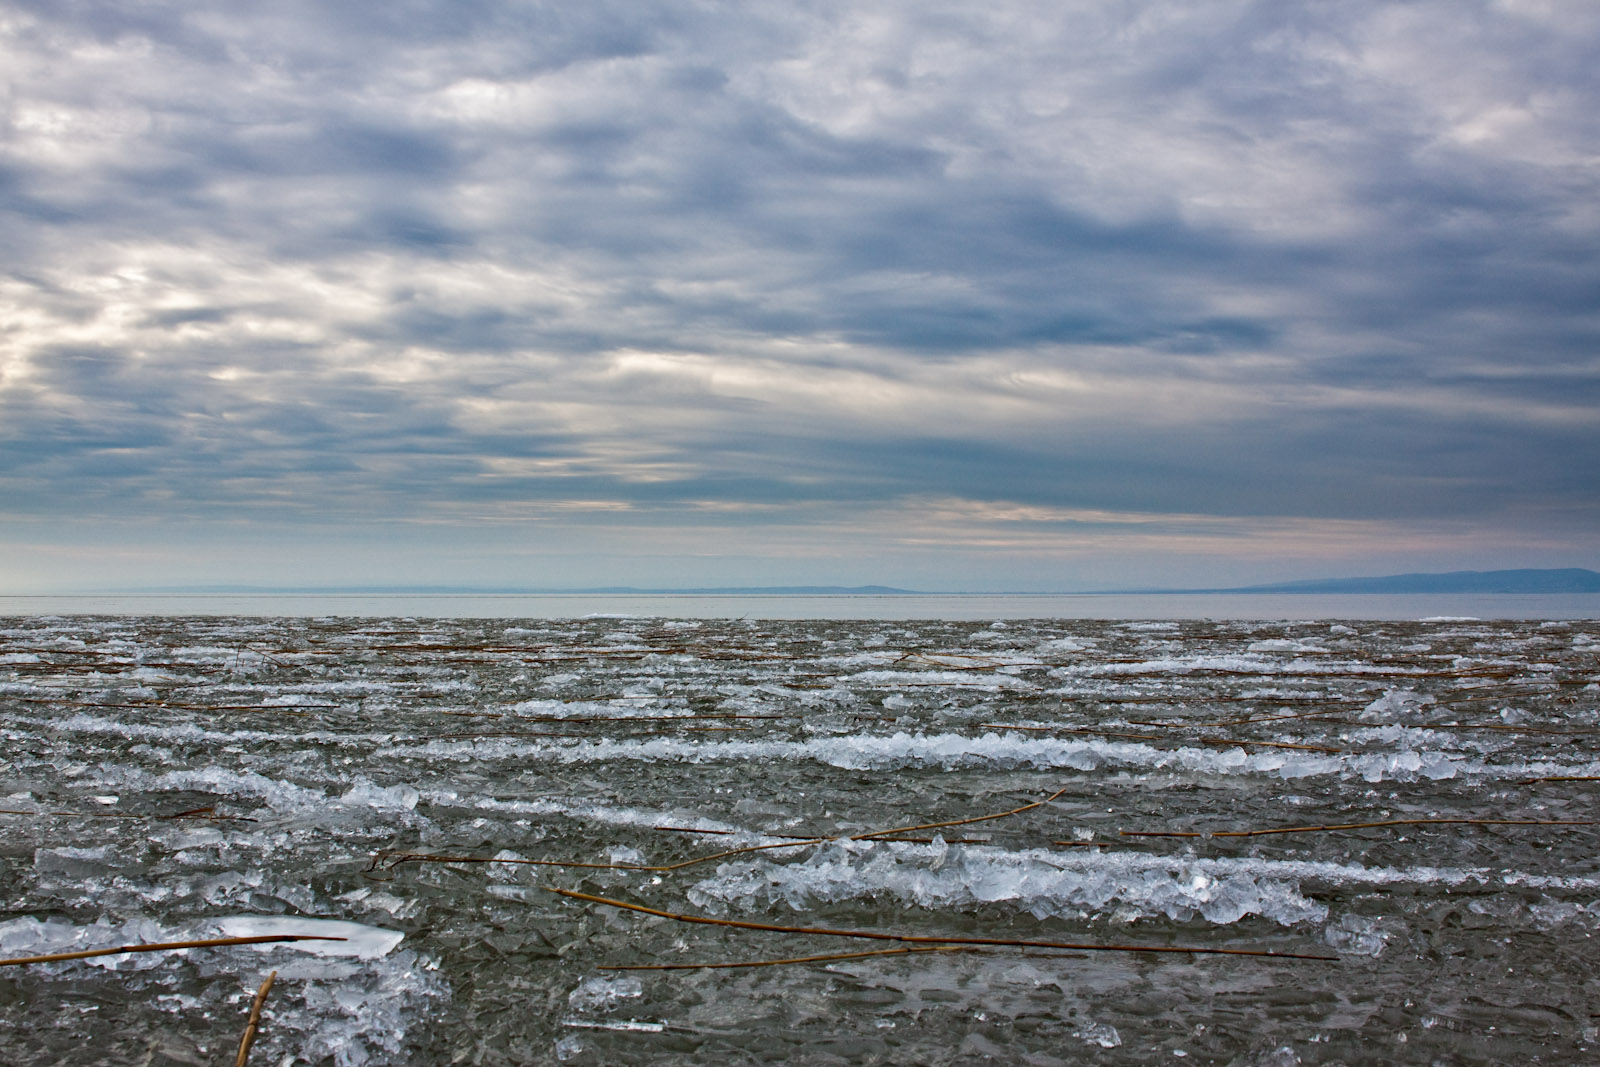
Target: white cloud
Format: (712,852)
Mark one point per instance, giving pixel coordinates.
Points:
(1243,262)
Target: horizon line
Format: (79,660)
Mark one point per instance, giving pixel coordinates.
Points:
(1516,581)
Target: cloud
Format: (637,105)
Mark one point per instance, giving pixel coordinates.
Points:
(1248,260)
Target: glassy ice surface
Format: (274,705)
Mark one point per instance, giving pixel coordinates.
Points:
(416,786)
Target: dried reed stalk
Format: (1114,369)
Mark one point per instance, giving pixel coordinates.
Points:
(208,813)
(169,705)
(1270,718)
(390,860)
(989,665)
(1271,744)
(634,718)
(826,958)
(468,735)
(1490,726)
(921,939)
(1215,724)
(167,946)
(1357,826)
(607,736)
(253,1026)
(802,837)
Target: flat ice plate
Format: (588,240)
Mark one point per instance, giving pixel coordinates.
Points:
(362,942)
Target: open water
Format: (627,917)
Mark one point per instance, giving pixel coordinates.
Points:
(169,778)
(950,606)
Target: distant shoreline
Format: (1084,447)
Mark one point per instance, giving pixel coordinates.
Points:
(1512,582)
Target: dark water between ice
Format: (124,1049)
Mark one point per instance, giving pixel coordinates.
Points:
(605,745)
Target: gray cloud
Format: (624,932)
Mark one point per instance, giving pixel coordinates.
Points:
(1251,260)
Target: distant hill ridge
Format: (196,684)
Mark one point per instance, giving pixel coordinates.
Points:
(1564,580)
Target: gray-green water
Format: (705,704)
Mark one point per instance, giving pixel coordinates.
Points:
(963,606)
(318,745)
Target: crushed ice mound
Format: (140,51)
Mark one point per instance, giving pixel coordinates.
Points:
(1285,645)
(362,1020)
(1041,883)
(361,942)
(953,751)
(1549,914)
(364,794)
(1397,705)
(352,1012)
(1065,644)
(28,936)
(1103,1034)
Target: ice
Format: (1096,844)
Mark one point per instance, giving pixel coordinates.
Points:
(359,941)
(76,862)
(179,838)
(278,794)
(1549,914)
(1397,705)
(365,1019)
(438,743)
(1281,645)
(28,936)
(603,994)
(398,907)
(983,680)
(1039,883)
(1064,644)
(400,797)
(624,1025)
(1359,935)
(1102,1034)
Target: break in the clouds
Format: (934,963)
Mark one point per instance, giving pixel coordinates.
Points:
(1051,292)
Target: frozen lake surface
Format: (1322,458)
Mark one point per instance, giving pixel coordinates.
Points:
(418,786)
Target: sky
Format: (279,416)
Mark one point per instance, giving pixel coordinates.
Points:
(1022,295)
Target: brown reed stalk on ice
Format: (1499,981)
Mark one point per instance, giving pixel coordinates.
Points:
(209,813)
(924,939)
(253,1025)
(1357,826)
(166,946)
(829,957)
(388,861)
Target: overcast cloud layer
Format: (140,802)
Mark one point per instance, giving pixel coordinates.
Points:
(1018,294)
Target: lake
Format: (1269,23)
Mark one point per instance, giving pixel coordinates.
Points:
(966,606)
(802,841)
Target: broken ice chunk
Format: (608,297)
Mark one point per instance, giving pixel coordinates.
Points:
(1103,1034)
(362,942)
(603,994)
